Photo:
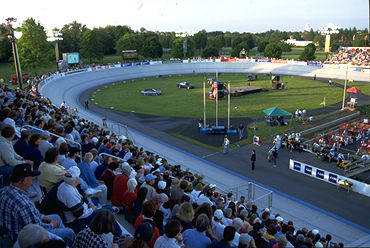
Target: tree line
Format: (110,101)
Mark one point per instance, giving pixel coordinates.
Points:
(94,44)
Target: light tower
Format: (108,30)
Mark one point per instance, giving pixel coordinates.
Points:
(13,39)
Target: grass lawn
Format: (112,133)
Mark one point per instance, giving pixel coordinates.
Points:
(125,96)
(363,86)
(6,69)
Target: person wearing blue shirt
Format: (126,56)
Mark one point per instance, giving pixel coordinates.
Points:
(32,152)
(196,238)
(88,176)
(22,143)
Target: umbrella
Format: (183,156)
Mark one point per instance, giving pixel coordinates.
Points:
(353,90)
(276,111)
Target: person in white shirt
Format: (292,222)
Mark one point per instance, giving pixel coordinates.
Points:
(172,237)
(205,198)
(217,224)
(77,212)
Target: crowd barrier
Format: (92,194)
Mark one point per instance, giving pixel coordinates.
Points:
(330,177)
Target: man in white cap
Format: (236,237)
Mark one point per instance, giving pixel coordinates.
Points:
(217,224)
(77,212)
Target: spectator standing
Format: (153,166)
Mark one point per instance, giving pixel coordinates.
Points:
(274,157)
(241,131)
(253,159)
(226,145)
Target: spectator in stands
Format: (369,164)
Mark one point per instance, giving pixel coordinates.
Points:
(70,161)
(148,212)
(225,242)
(256,233)
(94,235)
(45,144)
(23,211)
(206,198)
(88,176)
(149,182)
(77,213)
(108,177)
(10,120)
(8,157)
(247,241)
(172,237)
(196,237)
(217,224)
(120,186)
(51,171)
(185,215)
(142,236)
(129,197)
(22,143)
(101,168)
(32,152)
(31,235)
(138,203)
(63,151)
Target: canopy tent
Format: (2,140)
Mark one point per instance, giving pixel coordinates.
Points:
(276,111)
(353,90)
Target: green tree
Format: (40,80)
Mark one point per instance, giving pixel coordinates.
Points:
(71,34)
(210,52)
(261,46)
(308,35)
(285,47)
(248,39)
(216,42)
(200,39)
(152,48)
(129,41)
(91,46)
(308,53)
(272,51)
(34,49)
(5,49)
(177,48)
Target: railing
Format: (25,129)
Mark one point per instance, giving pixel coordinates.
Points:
(55,135)
(119,127)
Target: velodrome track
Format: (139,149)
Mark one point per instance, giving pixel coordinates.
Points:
(313,203)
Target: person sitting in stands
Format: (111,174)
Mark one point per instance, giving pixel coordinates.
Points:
(23,211)
(88,176)
(32,152)
(71,159)
(95,234)
(120,185)
(149,209)
(196,237)
(51,171)
(8,157)
(22,143)
(45,144)
(77,213)
(130,196)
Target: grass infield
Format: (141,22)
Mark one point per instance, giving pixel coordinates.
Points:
(175,102)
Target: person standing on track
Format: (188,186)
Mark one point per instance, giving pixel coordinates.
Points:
(253,159)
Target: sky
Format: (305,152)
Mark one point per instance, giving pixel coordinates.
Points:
(194,15)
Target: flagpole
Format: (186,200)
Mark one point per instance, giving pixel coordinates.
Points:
(204,104)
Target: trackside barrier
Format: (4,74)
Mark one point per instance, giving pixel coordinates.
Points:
(120,130)
(55,135)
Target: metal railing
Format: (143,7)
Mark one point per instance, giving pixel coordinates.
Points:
(58,136)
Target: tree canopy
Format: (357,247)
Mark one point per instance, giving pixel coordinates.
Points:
(272,51)
(90,45)
(34,49)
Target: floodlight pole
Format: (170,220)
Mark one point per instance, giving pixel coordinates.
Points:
(17,64)
(345,88)
(217,105)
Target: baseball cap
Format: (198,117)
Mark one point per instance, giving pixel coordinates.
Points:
(72,174)
(95,140)
(150,177)
(21,171)
(219,214)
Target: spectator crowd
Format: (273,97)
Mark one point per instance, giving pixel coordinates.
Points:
(355,56)
(59,190)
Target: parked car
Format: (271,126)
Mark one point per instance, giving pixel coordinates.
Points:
(185,85)
(151,92)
